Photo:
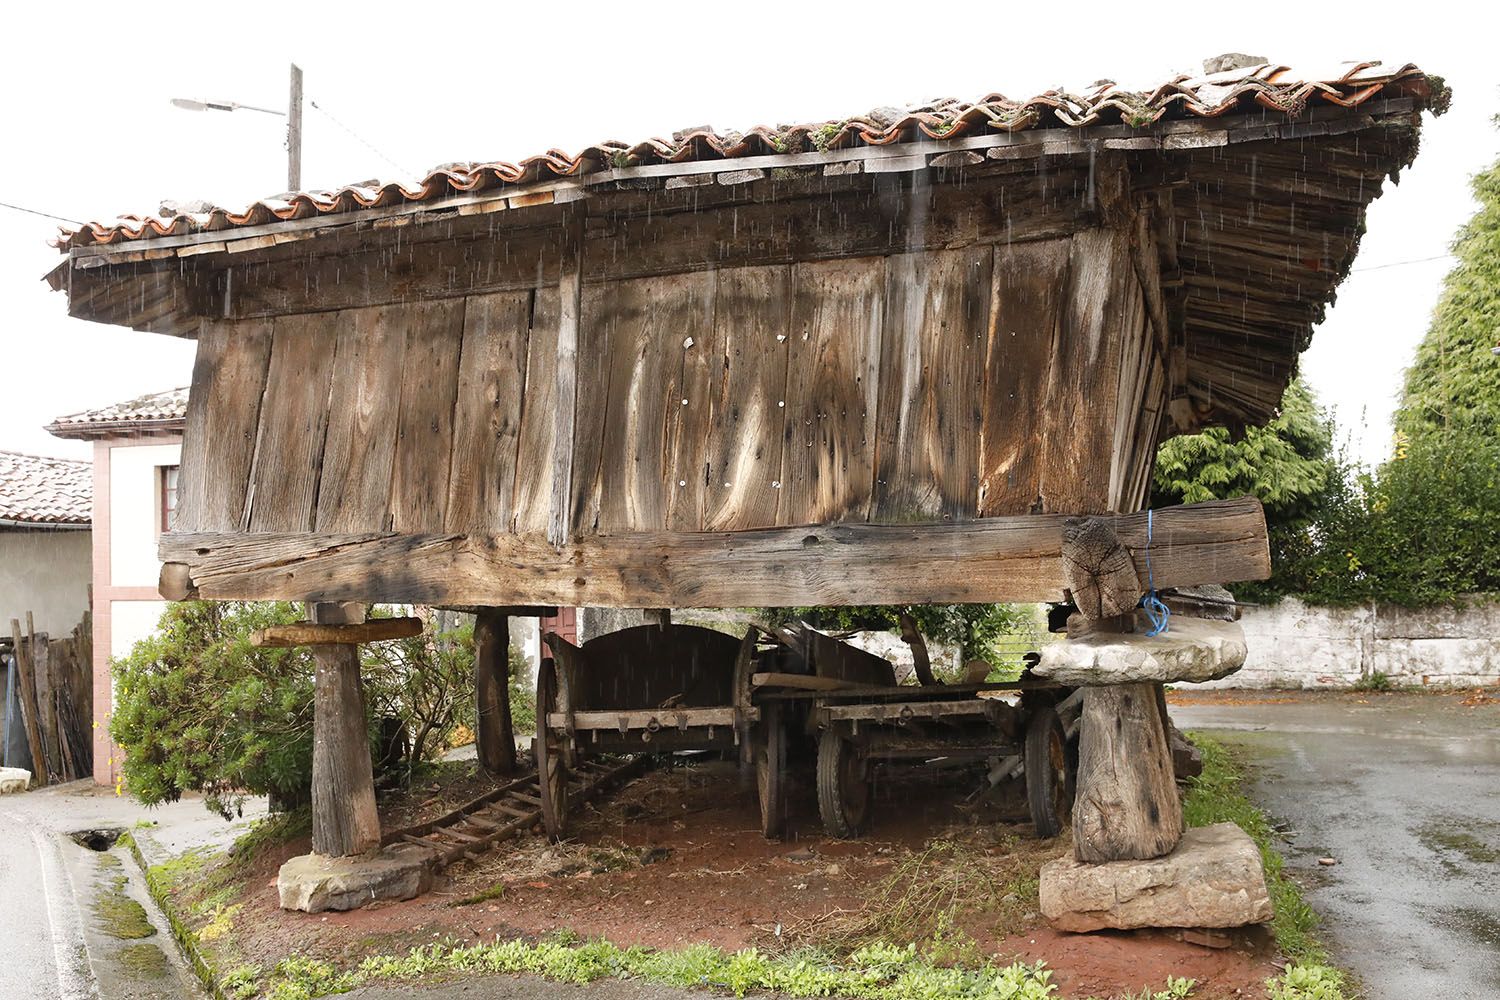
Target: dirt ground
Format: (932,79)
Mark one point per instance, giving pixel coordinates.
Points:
(676,858)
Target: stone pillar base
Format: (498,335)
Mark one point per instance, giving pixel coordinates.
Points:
(313,883)
(1213,878)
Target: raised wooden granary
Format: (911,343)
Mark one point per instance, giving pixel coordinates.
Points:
(874,360)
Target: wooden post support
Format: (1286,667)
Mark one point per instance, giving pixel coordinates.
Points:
(1127,806)
(493,735)
(343,780)
(1098,569)
(27,697)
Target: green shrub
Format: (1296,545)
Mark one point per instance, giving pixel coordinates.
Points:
(198,708)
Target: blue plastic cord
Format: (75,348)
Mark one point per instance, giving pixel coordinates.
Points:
(1157,613)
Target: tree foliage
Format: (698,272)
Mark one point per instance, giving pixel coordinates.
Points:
(1453,386)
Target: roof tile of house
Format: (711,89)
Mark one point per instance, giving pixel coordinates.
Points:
(157,412)
(38,490)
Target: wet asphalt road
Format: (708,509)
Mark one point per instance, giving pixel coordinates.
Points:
(1404,791)
(42,952)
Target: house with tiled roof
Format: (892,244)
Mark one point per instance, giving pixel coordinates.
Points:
(137,444)
(46,505)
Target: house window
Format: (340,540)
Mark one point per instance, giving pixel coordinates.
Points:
(168,500)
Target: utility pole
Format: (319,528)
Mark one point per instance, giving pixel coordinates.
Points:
(294,132)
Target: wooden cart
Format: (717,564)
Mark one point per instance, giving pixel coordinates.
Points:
(650,689)
(860,716)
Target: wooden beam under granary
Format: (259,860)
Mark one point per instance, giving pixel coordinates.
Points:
(876,360)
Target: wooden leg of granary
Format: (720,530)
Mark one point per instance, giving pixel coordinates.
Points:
(345,821)
(493,734)
(1127,806)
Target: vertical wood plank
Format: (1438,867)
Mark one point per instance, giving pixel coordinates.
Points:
(590,385)
(569,315)
(1023,330)
(487,419)
(1083,384)
(650,322)
(747,422)
(932,361)
(833,380)
(364,402)
(534,445)
(424,430)
(223,416)
(284,476)
(690,403)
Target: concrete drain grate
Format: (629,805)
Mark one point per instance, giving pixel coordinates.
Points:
(98,839)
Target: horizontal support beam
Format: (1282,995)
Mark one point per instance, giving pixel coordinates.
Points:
(508,610)
(987,560)
(653,718)
(318,634)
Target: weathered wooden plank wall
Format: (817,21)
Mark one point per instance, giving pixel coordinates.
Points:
(926,387)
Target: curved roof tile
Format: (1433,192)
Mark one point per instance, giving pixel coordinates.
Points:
(1267,85)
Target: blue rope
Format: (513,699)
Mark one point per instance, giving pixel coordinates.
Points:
(1157,613)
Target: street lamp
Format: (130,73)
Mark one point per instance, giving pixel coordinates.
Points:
(292,114)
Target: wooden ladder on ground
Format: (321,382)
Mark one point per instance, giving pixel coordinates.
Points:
(479,825)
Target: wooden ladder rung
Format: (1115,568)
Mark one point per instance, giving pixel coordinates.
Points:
(533,799)
(467,838)
(512,810)
(421,842)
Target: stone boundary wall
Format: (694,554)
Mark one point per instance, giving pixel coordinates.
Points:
(1293,645)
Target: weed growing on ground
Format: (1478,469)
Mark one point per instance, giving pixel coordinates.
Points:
(1377,681)
(875,972)
(1307,982)
(1216,796)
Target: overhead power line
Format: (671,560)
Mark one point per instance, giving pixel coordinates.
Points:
(361,139)
(45,215)
(1403,263)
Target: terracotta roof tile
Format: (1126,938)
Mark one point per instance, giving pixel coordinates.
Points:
(160,411)
(1267,86)
(39,490)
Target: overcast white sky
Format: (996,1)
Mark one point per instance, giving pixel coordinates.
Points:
(89,132)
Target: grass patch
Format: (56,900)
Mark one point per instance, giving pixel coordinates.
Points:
(1216,796)
(875,972)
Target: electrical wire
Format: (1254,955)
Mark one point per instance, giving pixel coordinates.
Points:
(45,215)
(1403,263)
(366,142)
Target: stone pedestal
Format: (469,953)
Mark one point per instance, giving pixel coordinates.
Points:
(1213,878)
(1192,649)
(313,883)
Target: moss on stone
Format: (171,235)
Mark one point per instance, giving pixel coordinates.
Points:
(143,960)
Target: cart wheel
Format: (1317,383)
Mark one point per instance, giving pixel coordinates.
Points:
(1047,791)
(770,765)
(551,771)
(843,785)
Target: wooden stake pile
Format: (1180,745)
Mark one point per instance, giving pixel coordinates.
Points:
(54,681)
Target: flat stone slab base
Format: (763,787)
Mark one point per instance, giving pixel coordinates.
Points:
(313,883)
(13,779)
(1213,878)
(1192,649)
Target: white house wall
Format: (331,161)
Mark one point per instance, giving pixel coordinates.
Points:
(46,573)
